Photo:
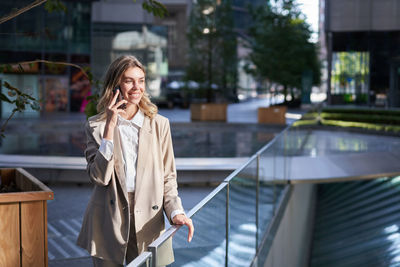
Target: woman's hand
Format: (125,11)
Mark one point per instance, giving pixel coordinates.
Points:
(112,112)
(181,219)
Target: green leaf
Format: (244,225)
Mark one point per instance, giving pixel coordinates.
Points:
(8,86)
(11,93)
(155,7)
(35,105)
(90,77)
(29,97)
(160,5)
(145,6)
(20,68)
(4,98)
(55,5)
(8,68)
(20,103)
(91,97)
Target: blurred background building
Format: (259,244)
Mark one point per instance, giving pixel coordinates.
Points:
(94,33)
(362,42)
(90,33)
(55,36)
(123,27)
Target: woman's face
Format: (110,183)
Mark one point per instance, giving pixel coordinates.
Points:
(133,85)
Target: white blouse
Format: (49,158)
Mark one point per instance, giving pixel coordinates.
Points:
(129,136)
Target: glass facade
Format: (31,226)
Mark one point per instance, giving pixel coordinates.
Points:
(48,36)
(46,32)
(147,42)
(350,76)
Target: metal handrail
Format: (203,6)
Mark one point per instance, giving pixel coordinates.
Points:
(141,259)
(225,184)
(174,228)
(261,150)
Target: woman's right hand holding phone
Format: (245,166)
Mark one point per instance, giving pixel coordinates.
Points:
(112,112)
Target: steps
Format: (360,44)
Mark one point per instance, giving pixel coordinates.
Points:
(358,224)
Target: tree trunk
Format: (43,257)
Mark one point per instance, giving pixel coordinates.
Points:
(285,93)
(209,89)
(291,93)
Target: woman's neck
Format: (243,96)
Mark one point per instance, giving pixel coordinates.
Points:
(130,111)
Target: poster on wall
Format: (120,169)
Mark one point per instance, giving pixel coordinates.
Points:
(55,94)
(80,89)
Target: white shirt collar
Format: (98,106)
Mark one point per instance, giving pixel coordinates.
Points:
(137,120)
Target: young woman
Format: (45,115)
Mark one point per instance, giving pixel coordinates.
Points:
(131,163)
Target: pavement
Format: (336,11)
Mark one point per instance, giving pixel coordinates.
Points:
(65,214)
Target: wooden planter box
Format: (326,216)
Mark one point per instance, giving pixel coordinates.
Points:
(208,112)
(23,220)
(272,115)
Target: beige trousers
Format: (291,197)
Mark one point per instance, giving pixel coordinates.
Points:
(132,250)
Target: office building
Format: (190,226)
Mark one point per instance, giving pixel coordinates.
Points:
(89,34)
(362,51)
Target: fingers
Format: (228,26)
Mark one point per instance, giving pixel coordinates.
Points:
(189,224)
(110,105)
(183,220)
(120,103)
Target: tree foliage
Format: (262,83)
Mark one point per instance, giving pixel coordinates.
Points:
(212,46)
(281,50)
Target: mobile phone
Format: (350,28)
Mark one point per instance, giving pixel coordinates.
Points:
(120,97)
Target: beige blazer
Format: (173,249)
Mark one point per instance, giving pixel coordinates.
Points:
(105,227)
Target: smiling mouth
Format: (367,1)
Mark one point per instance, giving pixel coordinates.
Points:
(134,95)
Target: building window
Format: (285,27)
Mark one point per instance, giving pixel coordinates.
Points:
(350,75)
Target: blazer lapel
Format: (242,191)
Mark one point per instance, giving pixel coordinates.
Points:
(119,160)
(144,150)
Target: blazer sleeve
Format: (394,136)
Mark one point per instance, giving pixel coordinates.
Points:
(98,167)
(171,199)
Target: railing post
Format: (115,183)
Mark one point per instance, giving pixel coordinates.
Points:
(284,155)
(153,251)
(257,197)
(227,225)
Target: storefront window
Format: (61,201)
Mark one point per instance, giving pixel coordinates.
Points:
(55,90)
(350,74)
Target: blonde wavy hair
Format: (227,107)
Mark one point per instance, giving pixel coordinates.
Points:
(113,79)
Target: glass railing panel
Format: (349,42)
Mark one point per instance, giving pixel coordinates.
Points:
(264,246)
(296,141)
(242,216)
(208,246)
(270,195)
(163,255)
(273,159)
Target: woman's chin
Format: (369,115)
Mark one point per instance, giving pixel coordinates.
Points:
(134,101)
